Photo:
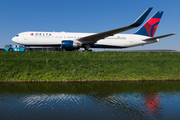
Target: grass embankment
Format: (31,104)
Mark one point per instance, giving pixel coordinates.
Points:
(55,66)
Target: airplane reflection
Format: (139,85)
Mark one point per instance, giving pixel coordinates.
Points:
(152,103)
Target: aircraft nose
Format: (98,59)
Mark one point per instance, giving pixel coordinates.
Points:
(15,39)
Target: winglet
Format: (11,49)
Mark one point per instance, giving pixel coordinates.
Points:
(141,19)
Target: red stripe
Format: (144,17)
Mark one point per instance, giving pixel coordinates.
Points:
(148,28)
(152,21)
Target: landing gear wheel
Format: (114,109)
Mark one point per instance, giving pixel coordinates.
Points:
(26,49)
(87,50)
(10,49)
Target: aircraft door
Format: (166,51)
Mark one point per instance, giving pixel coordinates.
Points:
(130,39)
(25,36)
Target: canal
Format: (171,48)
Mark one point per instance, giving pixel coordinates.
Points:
(90,100)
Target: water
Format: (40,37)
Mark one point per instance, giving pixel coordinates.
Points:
(90,100)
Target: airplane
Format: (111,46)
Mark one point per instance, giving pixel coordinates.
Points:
(109,39)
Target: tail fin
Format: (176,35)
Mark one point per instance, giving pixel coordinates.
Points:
(149,28)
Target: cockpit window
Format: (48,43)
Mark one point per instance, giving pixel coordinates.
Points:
(17,35)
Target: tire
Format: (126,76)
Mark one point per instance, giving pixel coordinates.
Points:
(10,49)
(26,49)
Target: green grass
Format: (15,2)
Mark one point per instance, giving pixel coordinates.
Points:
(54,66)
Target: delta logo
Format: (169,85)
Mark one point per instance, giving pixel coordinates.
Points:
(40,34)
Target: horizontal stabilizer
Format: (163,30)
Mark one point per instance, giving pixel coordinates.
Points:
(159,37)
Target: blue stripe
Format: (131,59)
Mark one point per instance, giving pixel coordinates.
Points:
(158,14)
(142,31)
(153,28)
(106,46)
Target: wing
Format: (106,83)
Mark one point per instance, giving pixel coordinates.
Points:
(158,37)
(95,37)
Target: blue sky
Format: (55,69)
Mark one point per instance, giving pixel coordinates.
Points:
(92,16)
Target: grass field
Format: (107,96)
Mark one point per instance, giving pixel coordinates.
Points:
(57,66)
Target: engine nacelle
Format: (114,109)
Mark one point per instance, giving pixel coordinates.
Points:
(70,45)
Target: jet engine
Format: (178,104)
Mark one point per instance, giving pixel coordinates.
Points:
(70,45)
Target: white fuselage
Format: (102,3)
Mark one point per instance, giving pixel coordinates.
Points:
(55,39)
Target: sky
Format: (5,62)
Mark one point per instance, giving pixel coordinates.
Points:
(89,16)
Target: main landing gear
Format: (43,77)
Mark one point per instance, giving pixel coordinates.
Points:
(86,47)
